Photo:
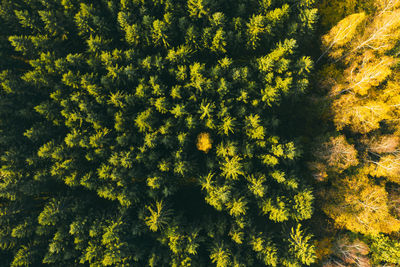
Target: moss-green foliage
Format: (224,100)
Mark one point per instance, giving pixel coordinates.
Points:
(101,106)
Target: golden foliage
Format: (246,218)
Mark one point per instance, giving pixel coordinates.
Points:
(204,142)
(364,90)
(387,166)
(378,33)
(342,34)
(362,98)
(387,5)
(381,34)
(360,206)
(360,115)
(367,72)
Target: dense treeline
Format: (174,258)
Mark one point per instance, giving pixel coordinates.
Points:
(147,133)
(358,161)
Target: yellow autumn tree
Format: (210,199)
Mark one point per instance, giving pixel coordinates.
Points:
(382,32)
(367,71)
(358,205)
(360,115)
(387,166)
(334,42)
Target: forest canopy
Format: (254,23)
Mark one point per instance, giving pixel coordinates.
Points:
(200,133)
(152,133)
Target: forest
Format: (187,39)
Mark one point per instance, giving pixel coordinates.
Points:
(200,133)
